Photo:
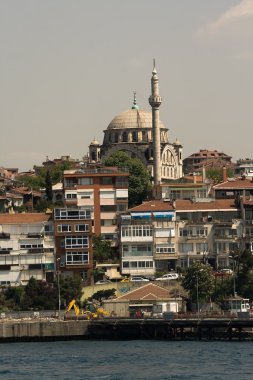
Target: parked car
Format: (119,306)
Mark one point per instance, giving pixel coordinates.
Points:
(224,272)
(168,276)
(125,279)
(138,279)
(102,282)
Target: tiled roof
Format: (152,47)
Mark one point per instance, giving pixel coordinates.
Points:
(154,205)
(148,292)
(235,184)
(24,218)
(217,204)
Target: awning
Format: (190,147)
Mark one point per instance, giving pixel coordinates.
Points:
(164,214)
(141,215)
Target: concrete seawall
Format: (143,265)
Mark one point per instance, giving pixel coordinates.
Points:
(40,330)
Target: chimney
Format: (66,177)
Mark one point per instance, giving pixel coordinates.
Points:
(224,171)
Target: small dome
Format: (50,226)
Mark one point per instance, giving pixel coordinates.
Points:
(94,142)
(132,119)
(177,142)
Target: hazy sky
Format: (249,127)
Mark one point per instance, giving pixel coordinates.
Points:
(67,67)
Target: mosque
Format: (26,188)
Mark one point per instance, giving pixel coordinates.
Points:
(141,134)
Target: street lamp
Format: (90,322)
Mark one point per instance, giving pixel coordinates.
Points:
(233,260)
(197,288)
(58,285)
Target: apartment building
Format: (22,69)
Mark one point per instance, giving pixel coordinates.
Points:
(103,191)
(73,242)
(26,248)
(147,236)
(207,231)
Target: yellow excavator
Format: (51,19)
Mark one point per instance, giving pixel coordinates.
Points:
(90,311)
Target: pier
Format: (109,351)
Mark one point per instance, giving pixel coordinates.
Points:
(175,329)
(125,329)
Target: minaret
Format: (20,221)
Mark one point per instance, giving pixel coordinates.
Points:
(155,101)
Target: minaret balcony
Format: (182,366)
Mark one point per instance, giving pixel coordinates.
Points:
(155,101)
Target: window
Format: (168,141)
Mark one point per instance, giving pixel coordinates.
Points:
(186,248)
(200,231)
(76,241)
(138,264)
(61,214)
(64,228)
(122,207)
(135,231)
(108,222)
(108,208)
(106,180)
(71,196)
(85,181)
(29,246)
(75,258)
(137,250)
(165,249)
(81,227)
(49,230)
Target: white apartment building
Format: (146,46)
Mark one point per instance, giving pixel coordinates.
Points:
(26,248)
(147,236)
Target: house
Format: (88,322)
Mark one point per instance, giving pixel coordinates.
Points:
(142,298)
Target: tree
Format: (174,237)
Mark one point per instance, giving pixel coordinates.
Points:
(139,181)
(102,250)
(216,174)
(101,295)
(48,185)
(199,281)
(71,288)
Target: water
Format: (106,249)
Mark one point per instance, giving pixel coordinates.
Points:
(126,360)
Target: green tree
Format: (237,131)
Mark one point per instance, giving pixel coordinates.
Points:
(102,250)
(139,180)
(48,185)
(71,288)
(101,295)
(39,295)
(199,280)
(216,174)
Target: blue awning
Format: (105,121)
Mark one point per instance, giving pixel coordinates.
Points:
(167,215)
(141,215)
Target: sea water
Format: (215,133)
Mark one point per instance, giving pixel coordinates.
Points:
(126,360)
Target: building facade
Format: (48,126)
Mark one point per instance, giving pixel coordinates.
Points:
(26,248)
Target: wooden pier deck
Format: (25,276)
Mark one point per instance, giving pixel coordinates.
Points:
(174,329)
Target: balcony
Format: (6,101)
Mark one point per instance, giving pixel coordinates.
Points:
(4,236)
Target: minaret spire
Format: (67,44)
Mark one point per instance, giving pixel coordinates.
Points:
(155,101)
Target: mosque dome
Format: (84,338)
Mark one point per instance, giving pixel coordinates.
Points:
(133,119)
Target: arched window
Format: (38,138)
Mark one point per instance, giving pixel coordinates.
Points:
(124,137)
(134,137)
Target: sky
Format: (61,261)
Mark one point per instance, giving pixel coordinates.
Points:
(68,67)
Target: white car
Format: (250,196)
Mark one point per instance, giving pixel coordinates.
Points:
(168,276)
(138,279)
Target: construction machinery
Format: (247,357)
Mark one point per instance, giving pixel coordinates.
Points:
(89,311)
